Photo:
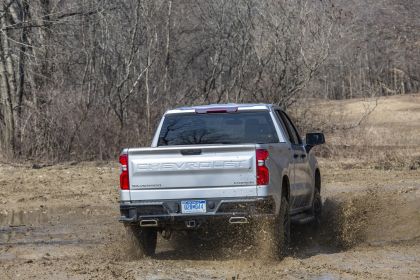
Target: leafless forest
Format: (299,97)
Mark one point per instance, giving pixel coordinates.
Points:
(81,79)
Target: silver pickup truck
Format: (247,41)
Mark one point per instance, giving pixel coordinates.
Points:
(221,165)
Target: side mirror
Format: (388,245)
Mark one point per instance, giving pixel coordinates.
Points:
(313,139)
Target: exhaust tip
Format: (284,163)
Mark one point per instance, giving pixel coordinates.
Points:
(191,224)
(238,220)
(148,223)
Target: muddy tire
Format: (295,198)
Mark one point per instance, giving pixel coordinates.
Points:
(282,231)
(144,239)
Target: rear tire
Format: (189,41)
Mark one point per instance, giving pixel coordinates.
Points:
(282,230)
(145,240)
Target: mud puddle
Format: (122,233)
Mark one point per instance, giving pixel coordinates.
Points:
(25,234)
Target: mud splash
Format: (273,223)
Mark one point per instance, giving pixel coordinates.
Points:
(372,217)
(375,216)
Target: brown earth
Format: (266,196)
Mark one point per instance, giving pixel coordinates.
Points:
(60,222)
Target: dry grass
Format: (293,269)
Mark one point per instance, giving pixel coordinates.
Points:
(386,138)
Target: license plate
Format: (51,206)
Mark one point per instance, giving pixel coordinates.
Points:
(193,206)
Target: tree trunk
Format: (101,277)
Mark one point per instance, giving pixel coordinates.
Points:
(167,57)
(8,89)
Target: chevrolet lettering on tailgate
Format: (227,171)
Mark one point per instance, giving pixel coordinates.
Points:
(175,166)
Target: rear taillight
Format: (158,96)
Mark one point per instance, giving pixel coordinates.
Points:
(124,182)
(262,170)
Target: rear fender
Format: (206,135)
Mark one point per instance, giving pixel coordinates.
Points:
(279,166)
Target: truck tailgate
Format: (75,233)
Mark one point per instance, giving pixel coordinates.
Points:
(191,167)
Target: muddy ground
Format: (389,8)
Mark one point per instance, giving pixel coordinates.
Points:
(60,222)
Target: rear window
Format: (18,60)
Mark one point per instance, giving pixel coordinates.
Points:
(218,128)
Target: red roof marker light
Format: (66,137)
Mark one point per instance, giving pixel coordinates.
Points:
(206,110)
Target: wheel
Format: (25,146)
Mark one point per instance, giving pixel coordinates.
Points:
(145,240)
(282,230)
(317,208)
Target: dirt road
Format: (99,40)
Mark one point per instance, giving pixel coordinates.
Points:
(61,222)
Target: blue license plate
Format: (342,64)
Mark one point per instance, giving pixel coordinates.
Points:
(193,206)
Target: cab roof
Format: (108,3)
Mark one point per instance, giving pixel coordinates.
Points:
(220,108)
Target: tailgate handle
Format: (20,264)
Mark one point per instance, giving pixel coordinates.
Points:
(191,152)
